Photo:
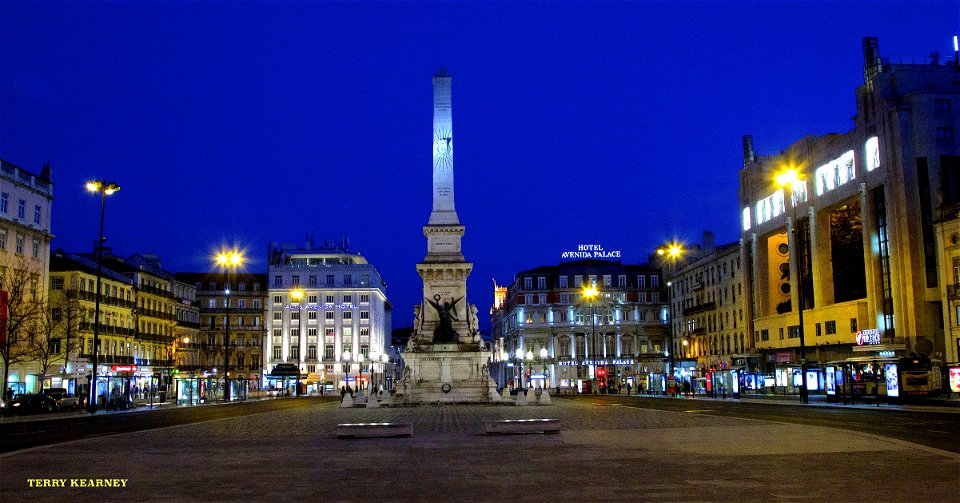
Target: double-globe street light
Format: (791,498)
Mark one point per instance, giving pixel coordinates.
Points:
(791,179)
(227,261)
(104,188)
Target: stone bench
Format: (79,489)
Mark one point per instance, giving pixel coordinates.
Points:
(374,430)
(519,426)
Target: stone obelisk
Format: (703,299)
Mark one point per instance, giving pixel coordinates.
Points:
(446,360)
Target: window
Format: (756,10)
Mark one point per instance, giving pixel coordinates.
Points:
(56,283)
(577,280)
(641,281)
(764,335)
(294,351)
(312,314)
(528,298)
(277,316)
(276,353)
(819,330)
(943,133)
(364,298)
(330,281)
(607,280)
(312,299)
(36,215)
(311,332)
(278,299)
(622,281)
(56,313)
(563,282)
(347,315)
(527,283)
(541,283)
(831,327)
(941,104)
(256,303)
(542,298)
(328,352)
(22,209)
(19,249)
(853,325)
(564,298)
(328,299)
(348,299)
(364,315)
(312,280)
(295,279)
(278,280)
(277,333)
(312,352)
(654,281)
(242,303)
(4,202)
(242,287)
(3,239)
(794,331)
(295,315)
(328,315)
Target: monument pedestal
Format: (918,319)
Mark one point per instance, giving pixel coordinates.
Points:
(447,373)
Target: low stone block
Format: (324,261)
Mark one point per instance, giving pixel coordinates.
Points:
(357,430)
(520,426)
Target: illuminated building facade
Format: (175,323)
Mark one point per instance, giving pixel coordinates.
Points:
(72,299)
(709,332)
(25,203)
(869,260)
(547,333)
(327,313)
(245,315)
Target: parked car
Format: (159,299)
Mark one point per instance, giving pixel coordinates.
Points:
(65,401)
(30,403)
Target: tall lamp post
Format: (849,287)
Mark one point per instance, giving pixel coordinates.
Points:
(345,358)
(297,296)
(591,293)
(671,252)
(520,367)
(792,179)
(227,261)
(105,189)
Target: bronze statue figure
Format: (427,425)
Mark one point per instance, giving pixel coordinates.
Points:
(444,333)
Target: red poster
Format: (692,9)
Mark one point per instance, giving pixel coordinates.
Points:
(955,379)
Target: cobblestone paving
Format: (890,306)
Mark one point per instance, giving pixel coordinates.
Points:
(604,452)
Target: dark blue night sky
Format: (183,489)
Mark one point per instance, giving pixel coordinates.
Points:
(252,122)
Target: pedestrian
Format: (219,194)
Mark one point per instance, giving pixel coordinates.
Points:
(343,392)
(628,388)
(10,393)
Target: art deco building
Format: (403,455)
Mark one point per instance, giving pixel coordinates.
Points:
(710,334)
(550,330)
(328,314)
(25,203)
(865,212)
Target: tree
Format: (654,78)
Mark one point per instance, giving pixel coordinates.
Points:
(21,282)
(55,336)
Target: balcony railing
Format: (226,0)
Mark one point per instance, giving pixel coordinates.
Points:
(953,292)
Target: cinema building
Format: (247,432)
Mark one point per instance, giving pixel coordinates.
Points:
(857,229)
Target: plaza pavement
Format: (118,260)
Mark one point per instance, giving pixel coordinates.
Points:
(604,453)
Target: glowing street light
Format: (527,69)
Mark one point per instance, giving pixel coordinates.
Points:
(591,293)
(227,261)
(105,189)
(793,179)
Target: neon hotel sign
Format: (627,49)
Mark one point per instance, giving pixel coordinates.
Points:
(590,251)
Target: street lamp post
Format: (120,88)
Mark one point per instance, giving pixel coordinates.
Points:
(345,358)
(591,292)
(519,355)
(227,261)
(791,178)
(672,252)
(297,296)
(105,189)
